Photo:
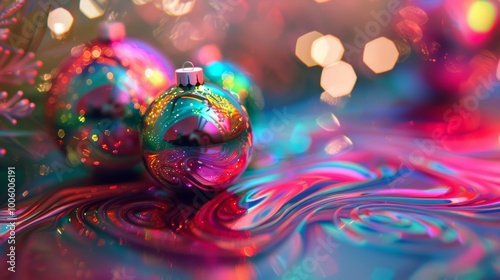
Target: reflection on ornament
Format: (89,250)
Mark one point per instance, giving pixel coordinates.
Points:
(97,99)
(232,78)
(196,135)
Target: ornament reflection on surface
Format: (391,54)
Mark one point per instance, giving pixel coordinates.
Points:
(97,101)
(196,135)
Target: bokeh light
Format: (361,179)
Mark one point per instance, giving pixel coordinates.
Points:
(338,79)
(155,77)
(409,30)
(176,8)
(327,50)
(414,14)
(325,97)
(304,46)
(328,122)
(340,144)
(234,79)
(208,54)
(380,55)
(498,70)
(481,16)
(60,21)
(93,8)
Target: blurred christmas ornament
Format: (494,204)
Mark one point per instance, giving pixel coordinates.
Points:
(196,135)
(96,103)
(232,78)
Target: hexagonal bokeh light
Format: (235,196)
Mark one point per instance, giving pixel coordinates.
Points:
(59,21)
(380,55)
(338,79)
(93,8)
(303,47)
(327,50)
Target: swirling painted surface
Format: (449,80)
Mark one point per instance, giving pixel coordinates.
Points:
(388,205)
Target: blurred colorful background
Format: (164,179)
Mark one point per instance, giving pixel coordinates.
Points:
(376,139)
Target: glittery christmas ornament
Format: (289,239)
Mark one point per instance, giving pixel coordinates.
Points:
(230,77)
(97,101)
(196,135)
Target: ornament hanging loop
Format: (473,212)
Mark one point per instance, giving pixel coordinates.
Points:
(189,76)
(187,62)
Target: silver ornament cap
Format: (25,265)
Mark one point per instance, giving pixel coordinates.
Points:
(112,31)
(189,76)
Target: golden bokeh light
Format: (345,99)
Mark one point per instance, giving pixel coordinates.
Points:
(338,79)
(59,21)
(414,14)
(325,97)
(176,8)
(338,145)
(380,55)
(93,8)
(303,47)
(327,50)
